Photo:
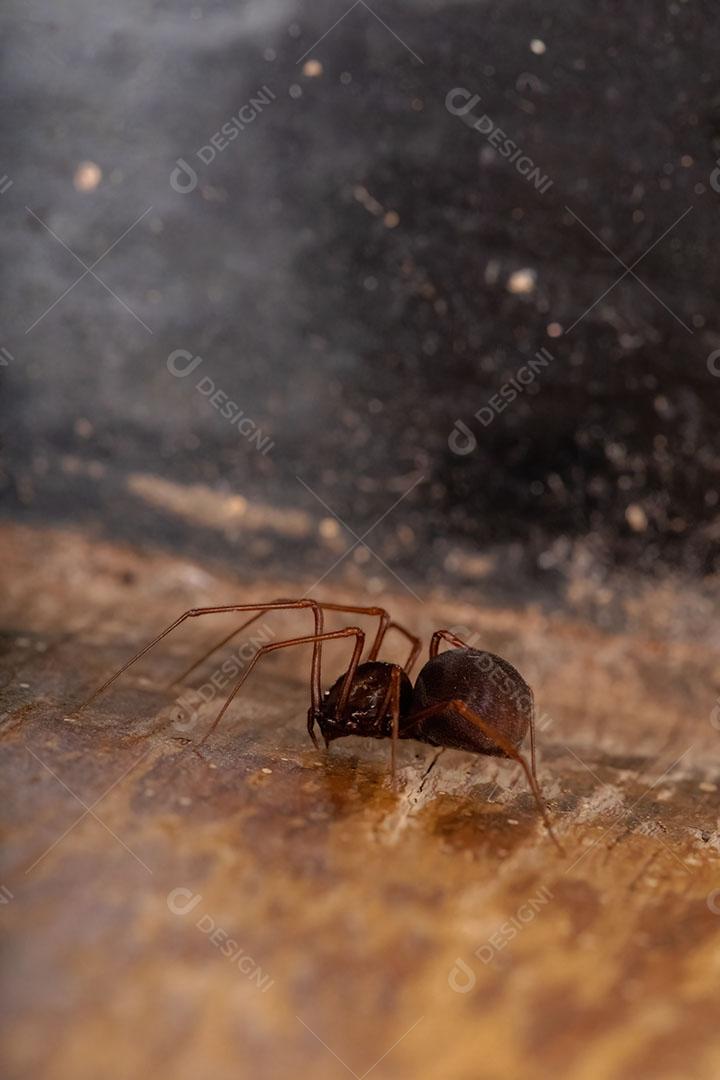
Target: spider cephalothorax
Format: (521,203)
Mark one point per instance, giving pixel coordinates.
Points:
(367,711)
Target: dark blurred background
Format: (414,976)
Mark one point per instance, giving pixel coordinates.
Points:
(357,269)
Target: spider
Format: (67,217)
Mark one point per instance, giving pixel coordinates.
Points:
(463,698)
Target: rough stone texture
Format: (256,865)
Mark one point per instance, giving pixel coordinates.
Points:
(354,899)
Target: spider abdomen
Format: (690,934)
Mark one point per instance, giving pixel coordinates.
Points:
(489,685)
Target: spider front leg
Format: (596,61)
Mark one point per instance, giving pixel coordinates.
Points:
(352,631)
(274,605)
(384,625)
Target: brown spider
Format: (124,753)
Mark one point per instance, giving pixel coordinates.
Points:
(464,698)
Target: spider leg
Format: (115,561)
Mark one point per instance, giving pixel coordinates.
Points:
(195,612)
(219,644)
(351,631)
(383,626)
(395,692)
(391,701)
(351,609)
(495,736)
(415,644)
(458,643)
(446,635)
(380,613)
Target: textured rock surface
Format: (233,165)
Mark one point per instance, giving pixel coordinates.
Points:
(359,905)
